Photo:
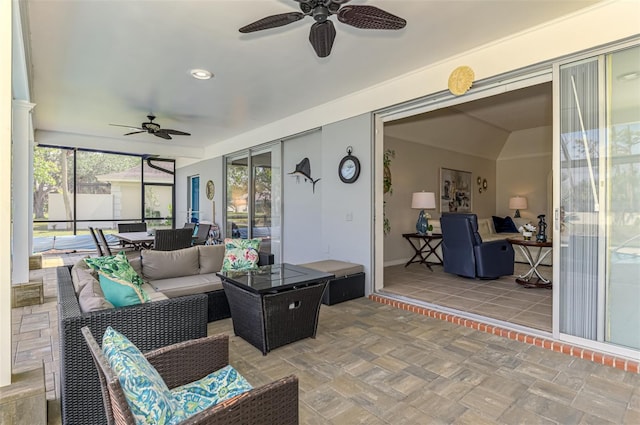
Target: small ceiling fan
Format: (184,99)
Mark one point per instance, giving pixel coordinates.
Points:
(153,128)
(323,32)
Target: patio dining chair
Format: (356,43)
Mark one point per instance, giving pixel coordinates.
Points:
(130,227)
(203,234)
(191,226)
(172,239)
(103,241)
(185,363)
(96,242)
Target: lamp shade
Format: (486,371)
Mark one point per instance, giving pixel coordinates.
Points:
(422,200)
(518,203)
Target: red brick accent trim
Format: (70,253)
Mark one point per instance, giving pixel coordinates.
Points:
(553,345)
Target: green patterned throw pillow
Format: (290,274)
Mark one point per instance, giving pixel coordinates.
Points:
(214,388)
(115,266)
(148,396)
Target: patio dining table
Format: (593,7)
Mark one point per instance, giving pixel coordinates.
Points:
(139,240)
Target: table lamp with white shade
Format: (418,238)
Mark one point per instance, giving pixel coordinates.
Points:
(422,201)
(517,203)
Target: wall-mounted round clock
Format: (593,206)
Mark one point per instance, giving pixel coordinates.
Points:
(211,190)
(349,168)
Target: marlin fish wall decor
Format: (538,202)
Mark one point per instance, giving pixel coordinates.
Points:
(303,169)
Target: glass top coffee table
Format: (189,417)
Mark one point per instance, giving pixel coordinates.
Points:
(274,277)
(274,305)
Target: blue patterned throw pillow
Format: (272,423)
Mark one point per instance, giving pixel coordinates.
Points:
(149,399)
(214,388)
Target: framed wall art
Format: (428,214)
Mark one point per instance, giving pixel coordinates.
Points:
(455,191)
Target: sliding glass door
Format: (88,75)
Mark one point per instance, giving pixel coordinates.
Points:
(253,196)
(598,216)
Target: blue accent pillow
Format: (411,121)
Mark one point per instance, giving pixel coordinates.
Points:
(504,225)
(150,400)
(214,388)
(120,292)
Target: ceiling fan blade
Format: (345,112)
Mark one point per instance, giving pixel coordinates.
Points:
(132,127)
(135,132)
(370,17)
(321,37)
(272,22)
(163,134)
(176,132)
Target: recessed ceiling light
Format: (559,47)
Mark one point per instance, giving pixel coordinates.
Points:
(201,74)
(633,75)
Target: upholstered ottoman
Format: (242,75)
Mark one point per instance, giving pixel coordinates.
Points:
(347,284)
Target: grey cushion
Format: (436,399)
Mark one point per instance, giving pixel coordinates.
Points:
(167,264)
(92,298)
(82,274)
(188,285)
(338,268)
(136,264)
(211,257)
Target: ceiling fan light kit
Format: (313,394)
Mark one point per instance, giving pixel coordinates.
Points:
(323,32)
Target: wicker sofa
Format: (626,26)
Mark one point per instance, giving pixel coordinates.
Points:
(149,326)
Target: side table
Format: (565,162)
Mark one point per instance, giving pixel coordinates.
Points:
(424,248)
(525,247)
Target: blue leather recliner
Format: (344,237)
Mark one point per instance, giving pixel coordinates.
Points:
(466,255)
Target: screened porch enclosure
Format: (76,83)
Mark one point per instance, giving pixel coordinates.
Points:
(76,189)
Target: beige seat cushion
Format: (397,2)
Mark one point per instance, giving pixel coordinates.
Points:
(153,294)
(187,285)
(337,268)
(167,264)
(211,257)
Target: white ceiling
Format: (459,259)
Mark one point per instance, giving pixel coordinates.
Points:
(98,62)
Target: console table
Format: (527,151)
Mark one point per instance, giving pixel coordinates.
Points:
(276,304)
(534,261)
(424,248)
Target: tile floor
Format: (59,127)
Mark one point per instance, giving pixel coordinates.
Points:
(375,364)
(501,299)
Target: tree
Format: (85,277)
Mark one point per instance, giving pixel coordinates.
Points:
(46,178)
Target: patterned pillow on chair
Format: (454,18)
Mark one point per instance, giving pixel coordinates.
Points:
(150,400)
(242,243)
(214,388)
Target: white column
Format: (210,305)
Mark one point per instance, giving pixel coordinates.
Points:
(22,191)
(5,192)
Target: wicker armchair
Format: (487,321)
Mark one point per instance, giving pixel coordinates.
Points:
(149,326)
(172,239)
(179,364)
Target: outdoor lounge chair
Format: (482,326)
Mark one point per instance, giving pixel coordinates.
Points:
(185,362)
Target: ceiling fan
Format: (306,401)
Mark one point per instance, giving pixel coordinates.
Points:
(323,32)
(153,128)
